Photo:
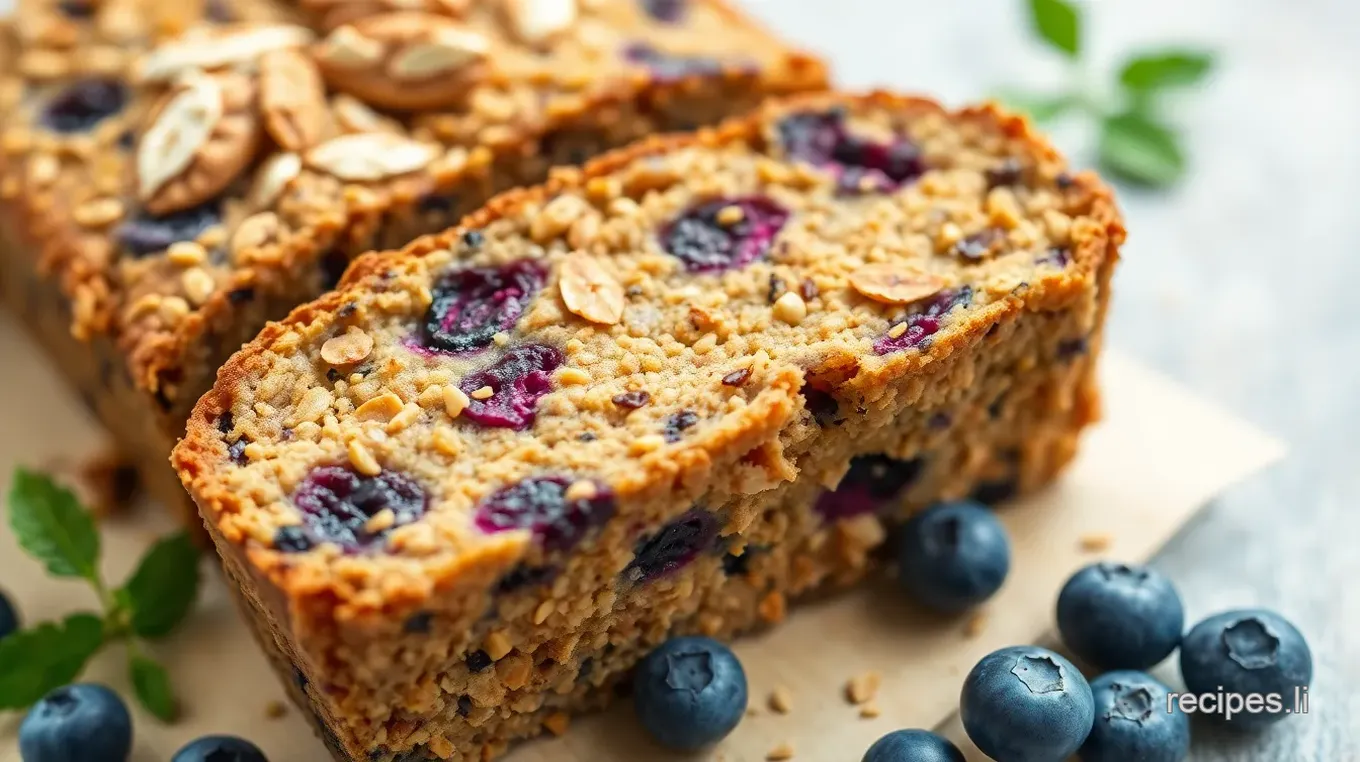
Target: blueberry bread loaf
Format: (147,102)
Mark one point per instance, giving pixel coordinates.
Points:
(464,493)
(174,173)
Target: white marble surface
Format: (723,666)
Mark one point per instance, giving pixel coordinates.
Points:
(1237,283)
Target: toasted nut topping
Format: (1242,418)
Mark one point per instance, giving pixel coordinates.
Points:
(379,521)
(455,401)
(483,393)
(201,137)
(557,217)
(790,308)
(381,408)
(273,176)
(589,291)
(537,21)
(581,489)
(862,688)
(186,253)
(292,99)
(447,49)
(198,285)
(346,46)
(348,348)
(237,45)
(371,156)
(497,645)
(98,212)
(404,59)
(572,377)
(314,404)
(894,284)
(254,231)
(362,459)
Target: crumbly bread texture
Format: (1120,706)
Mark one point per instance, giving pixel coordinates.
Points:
(174,173)
(463,494)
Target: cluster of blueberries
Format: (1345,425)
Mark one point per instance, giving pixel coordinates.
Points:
(1026,703)
(1019,704)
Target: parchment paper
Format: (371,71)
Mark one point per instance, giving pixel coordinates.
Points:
(1159,455)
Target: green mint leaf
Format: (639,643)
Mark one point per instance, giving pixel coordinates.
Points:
(52,526)
(152,686)
(48,656)
(1139,149)
(1058,23)
(1168,68)
(1040,108)
(162,590)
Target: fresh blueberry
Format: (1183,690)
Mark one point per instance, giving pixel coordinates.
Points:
(541,505)
(145,235)
(679,423)
(872,483)
(337,505)
(472,305)
(823,139)
(1026,704)
(913,746)
(926,323)
(674,546)
(1247,652)
(517,381)
(78,723)
(9,618)
(1135,721)
(219,749)
(670,67)
(690,693)
(1120,616)
(707,244)
(953,556)
(83,104)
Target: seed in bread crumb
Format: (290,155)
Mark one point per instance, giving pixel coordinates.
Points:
(483,393)
(869,711)
(973,627)
(1096,542)
(781,700)
(781,752)
(861,689)
(497,645)
(275,710)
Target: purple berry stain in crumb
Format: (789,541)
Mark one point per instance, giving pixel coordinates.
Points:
(920,326)
(861,165)
(674,546)
(871,484)
(724,233)
(542,506)
(678,423)
(1057,256)
(472,305)
(517,381)
(83,104)
(667,11)
(670,67)
(143,235)
(337,505)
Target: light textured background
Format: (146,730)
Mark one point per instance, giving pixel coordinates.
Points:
(1238,283)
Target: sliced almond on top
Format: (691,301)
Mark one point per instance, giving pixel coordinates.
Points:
(201,136)
(589,291)
(292,99)
(535,22)
(371,156)
(233,45)
(404,60)
(335,13)
(272,177)
(895,284)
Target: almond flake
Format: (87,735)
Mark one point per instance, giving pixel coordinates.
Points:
(273,176)
(235,46)
(348,348)
(894,284)
(371,156)
(292,99)
(447,50)
(347,47)
(589,291)
(382,408)
(537,21)
(184,124)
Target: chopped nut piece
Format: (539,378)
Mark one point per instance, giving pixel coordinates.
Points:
(254,232)
(198,285)
(783,751)
(186,253)
(581,489)
(483,393)
(573,377)
(455,401)
(381,408)
(895,284)
(589,291)
(272,178)
(781,700)
(772,606)
(869,711)
(1096,542)
(862,688)
(362,459)
(98,212)
(730,215)
(790,308)
(544,610)
(557,723)
(371,156)
(497,645)
(537,21)
(348,348)
(379,521)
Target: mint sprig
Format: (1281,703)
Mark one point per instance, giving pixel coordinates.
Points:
(52,526)
(1135,142)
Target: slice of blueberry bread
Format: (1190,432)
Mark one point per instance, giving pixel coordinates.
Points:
(175,174)
(464,493)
